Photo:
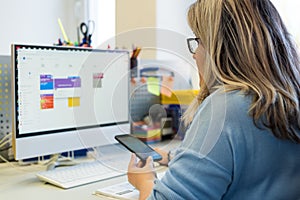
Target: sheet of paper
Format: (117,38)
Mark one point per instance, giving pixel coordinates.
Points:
(120,191)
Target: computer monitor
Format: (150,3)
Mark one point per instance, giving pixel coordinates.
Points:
(67,98)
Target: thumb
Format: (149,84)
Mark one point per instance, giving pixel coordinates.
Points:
(150,165)
(149,161)
(132,161)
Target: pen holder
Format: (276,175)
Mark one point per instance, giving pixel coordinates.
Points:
(133,67)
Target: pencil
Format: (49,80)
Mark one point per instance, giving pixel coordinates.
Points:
(62,30)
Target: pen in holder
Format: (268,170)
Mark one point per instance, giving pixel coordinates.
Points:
(134,62)
(133,67)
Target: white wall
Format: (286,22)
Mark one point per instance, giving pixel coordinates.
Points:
(172,18)
(172,31)
(172,14)
(104,15)
(35,22)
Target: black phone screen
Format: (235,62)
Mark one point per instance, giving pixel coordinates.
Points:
(135,145)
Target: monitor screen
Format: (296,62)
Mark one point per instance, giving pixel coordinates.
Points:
(67,98)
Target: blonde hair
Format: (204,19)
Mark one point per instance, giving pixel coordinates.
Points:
(248,48)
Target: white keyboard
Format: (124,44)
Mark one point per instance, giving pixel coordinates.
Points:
(83,173)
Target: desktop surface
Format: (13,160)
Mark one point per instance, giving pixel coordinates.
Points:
(17,182)
(20,185)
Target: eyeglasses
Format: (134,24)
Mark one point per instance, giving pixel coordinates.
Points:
(193,44)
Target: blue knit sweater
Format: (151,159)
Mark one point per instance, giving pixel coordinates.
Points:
(225,156)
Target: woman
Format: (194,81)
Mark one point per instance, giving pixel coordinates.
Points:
(244,136)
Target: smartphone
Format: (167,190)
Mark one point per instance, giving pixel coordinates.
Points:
(137,146)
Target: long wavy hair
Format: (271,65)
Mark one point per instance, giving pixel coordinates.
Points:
(248,48)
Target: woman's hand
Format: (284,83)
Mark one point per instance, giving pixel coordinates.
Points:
(141,175)
(164,154)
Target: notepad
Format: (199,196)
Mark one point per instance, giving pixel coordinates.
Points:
(119,191)
(122,190)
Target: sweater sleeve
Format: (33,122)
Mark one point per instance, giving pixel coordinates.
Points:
(192,177)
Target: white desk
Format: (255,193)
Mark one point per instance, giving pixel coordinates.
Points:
(20,182)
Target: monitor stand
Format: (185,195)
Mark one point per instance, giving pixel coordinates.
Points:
(57,160)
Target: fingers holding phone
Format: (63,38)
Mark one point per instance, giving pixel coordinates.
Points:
(141,174)
(164,154)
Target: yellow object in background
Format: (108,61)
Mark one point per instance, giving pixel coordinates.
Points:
(180,97)
(148,135)
(63,30)
(74,101)
(153,86)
